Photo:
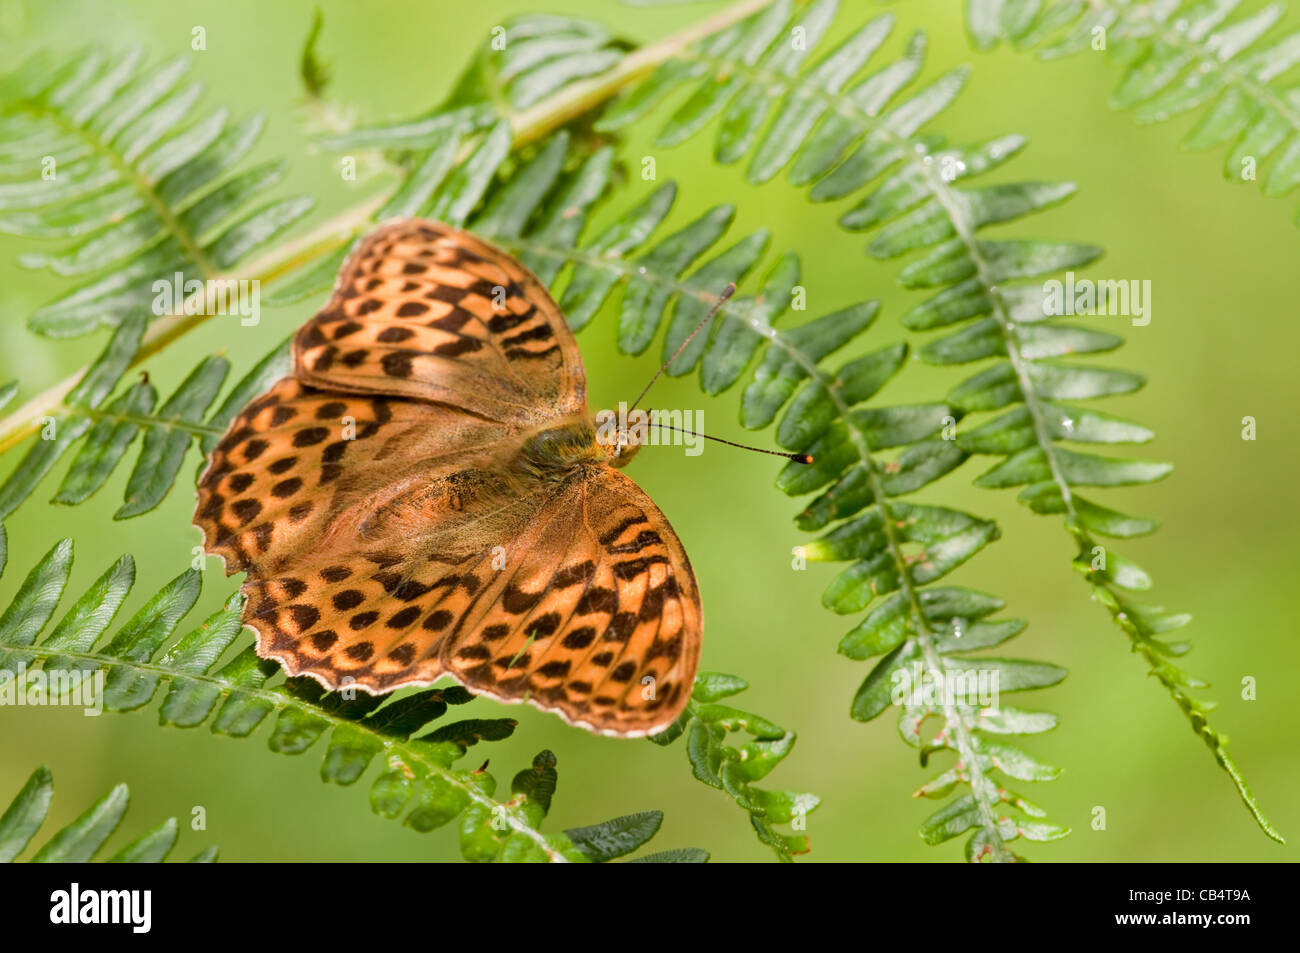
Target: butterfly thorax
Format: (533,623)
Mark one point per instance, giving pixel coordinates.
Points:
(557,450)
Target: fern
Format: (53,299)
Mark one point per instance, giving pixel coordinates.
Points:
(234,693)
(706,725)
(860,141)
(105,429)
(83,839)
(1178,56)
(138,188)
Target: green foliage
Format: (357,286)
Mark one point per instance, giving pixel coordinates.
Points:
(917,209)
(706,724)
(315,73)
(203,679)
(104,427)
(81,840)
(1178,57)
(143,191)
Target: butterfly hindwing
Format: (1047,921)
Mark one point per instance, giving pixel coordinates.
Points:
(594,614)
(425,311)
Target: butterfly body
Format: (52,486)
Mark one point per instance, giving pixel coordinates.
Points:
(426,496)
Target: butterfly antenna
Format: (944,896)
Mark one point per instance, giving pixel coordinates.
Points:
(796,457)
(727,292)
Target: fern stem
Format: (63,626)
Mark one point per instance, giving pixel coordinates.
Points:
(956,723)
(145,420)
(528,126)
(279,700)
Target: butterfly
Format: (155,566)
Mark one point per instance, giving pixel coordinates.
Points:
(424,495)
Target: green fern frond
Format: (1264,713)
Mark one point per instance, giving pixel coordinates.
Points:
(1179,57)
(917,208)
(136,188)
(104,427)
(235,692)
(83,839)
(706,725)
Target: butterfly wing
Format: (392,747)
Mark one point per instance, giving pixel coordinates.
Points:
(339,524)
(594,613)
(425,311)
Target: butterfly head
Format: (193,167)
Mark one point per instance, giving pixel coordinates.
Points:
(620,435)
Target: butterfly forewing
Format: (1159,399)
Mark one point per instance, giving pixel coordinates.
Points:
(425,311)
(390,537)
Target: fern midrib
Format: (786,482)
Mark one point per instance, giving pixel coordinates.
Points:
(279,700)
(965,231)
(170,220)
(956,723)
(963,738)
(149,422)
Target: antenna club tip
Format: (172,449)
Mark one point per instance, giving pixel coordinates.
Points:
(802,458)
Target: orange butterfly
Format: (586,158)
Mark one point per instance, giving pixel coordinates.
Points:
(425,495)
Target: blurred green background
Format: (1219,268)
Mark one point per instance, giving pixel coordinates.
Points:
(1221,345)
